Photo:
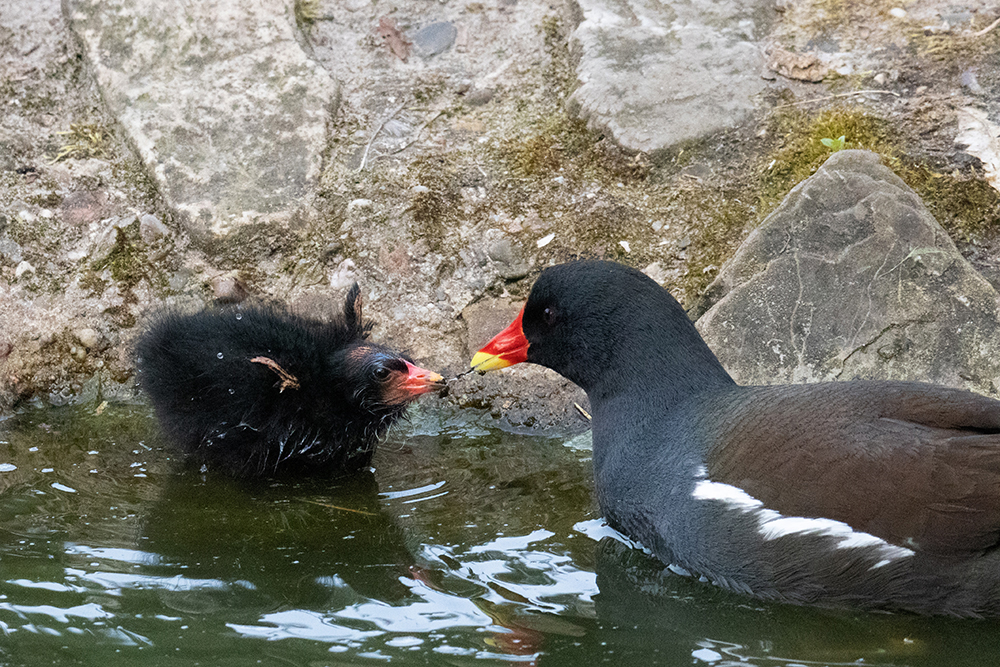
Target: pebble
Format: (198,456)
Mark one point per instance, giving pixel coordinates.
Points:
(656,272)
(358,204)
(228,288)
(971,82)
(23,267)
(88,337)
(477,97)
(434,39)
(10,249)
(151,228)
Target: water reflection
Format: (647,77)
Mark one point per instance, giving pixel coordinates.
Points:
(464,545)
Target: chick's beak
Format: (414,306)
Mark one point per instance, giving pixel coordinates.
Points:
(420,381)
(507,348)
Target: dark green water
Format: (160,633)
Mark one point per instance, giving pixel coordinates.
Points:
(465,546)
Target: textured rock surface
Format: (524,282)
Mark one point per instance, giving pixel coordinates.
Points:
(656,74)
(851,277)
(449,179)
(226,110)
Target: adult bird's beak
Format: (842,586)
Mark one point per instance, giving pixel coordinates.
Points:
(507,348)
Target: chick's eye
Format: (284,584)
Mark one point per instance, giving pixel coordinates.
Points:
(550,315)
(381,373)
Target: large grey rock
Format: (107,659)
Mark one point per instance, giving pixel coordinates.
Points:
(851,277)
(226,110)
(654,74)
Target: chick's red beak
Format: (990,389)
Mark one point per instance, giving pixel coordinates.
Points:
(404,387)
(507,348)
(420,380)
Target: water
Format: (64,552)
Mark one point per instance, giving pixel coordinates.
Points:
(465,546)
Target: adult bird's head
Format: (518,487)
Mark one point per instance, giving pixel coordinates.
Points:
(600,324)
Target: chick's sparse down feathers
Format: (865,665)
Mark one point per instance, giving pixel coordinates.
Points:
(257,391)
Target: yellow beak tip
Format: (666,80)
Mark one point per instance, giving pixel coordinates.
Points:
(483,362)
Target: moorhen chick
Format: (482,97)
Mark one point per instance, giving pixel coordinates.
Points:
(863,494)
(257,391)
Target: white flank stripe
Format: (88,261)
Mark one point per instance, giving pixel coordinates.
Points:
(775,528)
(772,525)
(731,495)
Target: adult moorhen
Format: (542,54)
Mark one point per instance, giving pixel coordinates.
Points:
(861,494)
(258,391)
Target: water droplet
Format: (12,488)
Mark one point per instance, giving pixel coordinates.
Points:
(219,355)
(239,316)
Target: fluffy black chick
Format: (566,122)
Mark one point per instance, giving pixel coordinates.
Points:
(257,391)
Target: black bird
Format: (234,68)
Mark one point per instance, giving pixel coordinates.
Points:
(859,494)
(258,391)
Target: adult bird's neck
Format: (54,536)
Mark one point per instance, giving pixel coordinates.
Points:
(659,359)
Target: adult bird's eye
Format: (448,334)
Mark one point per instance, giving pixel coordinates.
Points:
(381,373)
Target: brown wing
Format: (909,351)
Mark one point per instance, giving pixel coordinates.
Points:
(916,465)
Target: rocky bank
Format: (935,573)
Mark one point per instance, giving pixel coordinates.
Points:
(442,154)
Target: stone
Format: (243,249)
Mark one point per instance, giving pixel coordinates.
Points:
(228,288)
(88,337)
(798,66)
(10,250)
(477,97)
(344,275)
(84,207)
(656,272)
(151,228)
(225,109)
(22,268)
(508,259)
(657,74)
(851,277)
(434,38)
(979,136)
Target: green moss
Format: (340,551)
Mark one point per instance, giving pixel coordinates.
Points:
(121,316)
(435,209)
(93,283)
(560,144)
(801,150)
(126,261)
(24,232)
(966,205)
(46,200)
(307,12)
(721,222)
(953,46)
